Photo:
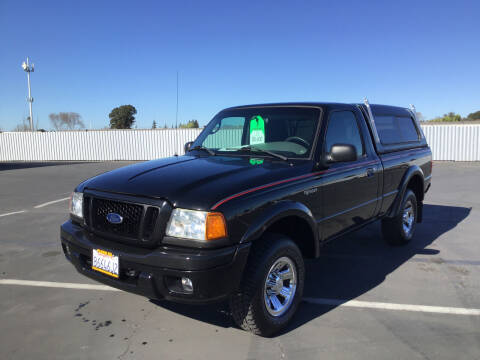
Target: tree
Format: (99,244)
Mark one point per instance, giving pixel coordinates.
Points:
(122,117)
(66,121)
(474,116)
(192,124)
(21,127)
(154,125)
(450,117)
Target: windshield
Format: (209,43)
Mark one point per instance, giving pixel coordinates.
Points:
(288,131)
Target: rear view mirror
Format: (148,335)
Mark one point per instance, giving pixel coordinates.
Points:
(342,153)
(187,146)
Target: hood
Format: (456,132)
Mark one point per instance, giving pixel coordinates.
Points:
(194,182)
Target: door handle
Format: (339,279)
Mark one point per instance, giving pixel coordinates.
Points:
(370,172)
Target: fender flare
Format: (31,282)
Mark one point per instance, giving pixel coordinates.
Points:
(412,171)
(277,211)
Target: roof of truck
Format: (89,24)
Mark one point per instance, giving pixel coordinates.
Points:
(377,108)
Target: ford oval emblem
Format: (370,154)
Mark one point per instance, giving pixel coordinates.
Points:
(114,218)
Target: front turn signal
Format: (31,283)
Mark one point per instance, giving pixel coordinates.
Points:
(216,226)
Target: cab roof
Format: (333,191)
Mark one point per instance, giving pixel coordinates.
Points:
(376,108)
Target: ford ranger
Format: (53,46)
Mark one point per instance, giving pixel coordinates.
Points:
(262,188)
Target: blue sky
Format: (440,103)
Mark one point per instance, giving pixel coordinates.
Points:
(92,56)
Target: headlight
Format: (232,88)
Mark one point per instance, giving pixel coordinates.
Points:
(76,204)
(196,225)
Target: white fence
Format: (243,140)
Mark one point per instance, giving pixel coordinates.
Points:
(448,142)
(454,142)
(94,145)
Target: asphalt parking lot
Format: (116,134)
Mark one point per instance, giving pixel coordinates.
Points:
(364,299)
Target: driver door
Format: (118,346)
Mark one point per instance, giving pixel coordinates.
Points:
(349,188)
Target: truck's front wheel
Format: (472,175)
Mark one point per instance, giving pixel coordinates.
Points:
(272,286)
(400,229)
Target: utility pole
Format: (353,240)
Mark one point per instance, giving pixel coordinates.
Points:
(28,69)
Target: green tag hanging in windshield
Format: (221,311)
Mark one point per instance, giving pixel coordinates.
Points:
(257,130)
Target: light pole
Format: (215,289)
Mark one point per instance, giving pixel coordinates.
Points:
(28,69)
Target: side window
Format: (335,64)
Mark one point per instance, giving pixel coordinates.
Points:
(395,129)
(387,129)
(409,131)
(343,128)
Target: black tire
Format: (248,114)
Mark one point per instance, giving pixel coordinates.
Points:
(393,229)
(248,307)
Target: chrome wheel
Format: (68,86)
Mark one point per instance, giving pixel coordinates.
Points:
(408,218)
(280,286)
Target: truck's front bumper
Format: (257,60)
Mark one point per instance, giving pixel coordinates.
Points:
(157,273)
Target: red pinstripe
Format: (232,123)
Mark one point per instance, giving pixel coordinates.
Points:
(290,180)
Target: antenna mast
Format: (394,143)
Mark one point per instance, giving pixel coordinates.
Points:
(176,123)
(176,114)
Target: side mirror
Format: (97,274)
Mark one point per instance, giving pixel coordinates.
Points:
(187,146)
(342,153)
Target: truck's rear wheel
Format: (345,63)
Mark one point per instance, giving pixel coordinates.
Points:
(272,286)
(400,229)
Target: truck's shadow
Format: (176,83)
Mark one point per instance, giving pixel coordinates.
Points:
(349,266)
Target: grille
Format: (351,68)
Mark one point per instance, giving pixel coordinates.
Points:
(131,213)
(141,223)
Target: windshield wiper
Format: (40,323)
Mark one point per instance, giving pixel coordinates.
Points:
(256,149)
(199,147)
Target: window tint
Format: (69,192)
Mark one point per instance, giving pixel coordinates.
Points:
(395,129)
(343,129)
(408,129)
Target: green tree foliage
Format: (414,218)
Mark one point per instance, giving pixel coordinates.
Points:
(154,125)
(122,117)
(474,116)
(192,124)
(450,117)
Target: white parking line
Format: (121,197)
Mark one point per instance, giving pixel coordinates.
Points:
(51,202)
(13,213)
(392,306)
(317,301)
(56,284)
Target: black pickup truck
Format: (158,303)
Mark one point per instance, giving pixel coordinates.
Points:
(259,190)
